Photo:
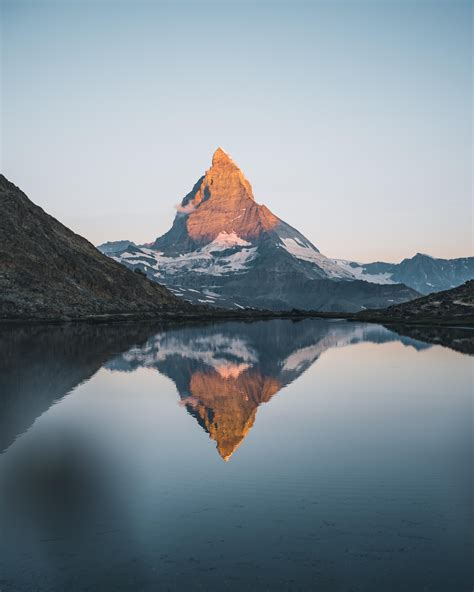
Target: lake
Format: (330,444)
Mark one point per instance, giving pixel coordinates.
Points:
(271,455)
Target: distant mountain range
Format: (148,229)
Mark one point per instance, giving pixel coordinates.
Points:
(224,249)
(423,273)
(48,272)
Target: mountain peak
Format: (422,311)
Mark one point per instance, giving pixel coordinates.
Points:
(221,201)
(220,156)
(423,255)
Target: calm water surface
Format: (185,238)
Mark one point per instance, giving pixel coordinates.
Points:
(278,455)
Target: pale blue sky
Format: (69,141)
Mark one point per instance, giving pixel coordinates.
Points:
(352,121)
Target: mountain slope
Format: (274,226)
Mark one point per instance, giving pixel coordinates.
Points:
(48,272)
(225,249)
(423,273)
(454,306)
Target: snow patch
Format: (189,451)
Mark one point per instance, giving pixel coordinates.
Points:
(209,259)
(306,252)
(226,355)
(230,370)
(225,240)
(302,357)
(359,272)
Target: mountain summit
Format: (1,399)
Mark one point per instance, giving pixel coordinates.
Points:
(221,211)
(226,249)
(221,201)
(220,156)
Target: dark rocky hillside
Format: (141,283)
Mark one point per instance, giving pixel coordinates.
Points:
(454,306)
(49,272)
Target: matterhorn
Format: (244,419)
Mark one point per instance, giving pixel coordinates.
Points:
(224,249)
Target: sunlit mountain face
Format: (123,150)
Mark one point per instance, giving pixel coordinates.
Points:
(223,373)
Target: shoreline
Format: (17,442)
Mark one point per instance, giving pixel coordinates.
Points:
(231,315)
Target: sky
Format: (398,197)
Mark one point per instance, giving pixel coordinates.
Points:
(351,120)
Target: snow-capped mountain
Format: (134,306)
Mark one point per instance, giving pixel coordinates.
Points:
(226,249)
(422,273)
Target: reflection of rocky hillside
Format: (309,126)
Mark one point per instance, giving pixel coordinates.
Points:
(40,364)
(458,338)
(224,372)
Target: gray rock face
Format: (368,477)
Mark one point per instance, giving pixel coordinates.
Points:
(224,249)
(111,247)
(48,272)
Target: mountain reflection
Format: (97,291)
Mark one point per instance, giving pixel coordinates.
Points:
(226,406)
(224,372)
(117,486)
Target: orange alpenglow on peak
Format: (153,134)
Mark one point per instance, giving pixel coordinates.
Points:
(222,201)
(226,403)
(220,156)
